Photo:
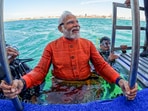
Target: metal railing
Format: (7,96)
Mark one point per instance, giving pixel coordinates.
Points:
(117,27)
(135,36)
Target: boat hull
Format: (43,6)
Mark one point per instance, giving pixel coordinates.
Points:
(118,104)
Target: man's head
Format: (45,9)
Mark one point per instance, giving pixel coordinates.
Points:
(105,43)
(68,25)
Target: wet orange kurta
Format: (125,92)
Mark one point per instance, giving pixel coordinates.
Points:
(70,59)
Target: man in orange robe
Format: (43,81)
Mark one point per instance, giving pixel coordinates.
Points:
(70,55)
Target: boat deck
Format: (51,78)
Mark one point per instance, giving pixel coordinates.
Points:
(142,74)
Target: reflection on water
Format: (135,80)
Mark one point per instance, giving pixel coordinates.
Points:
(57,91)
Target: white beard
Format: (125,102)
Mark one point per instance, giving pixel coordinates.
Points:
(69,34)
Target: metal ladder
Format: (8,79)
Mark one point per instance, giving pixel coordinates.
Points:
(117,27)
(133,63)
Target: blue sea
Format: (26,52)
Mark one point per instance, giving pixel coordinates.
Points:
(31,36)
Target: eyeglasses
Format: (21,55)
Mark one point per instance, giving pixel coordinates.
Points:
(70,22)
(105,43)
(61,24)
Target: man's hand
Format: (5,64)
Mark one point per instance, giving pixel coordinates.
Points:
(129,93)
(11,91)
(11,53)
(112,57)
(128,2)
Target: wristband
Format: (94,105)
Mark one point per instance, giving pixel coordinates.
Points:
(24,83)
(117,80)
(124,51)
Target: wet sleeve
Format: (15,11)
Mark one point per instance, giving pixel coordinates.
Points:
(38,74)
(101,66)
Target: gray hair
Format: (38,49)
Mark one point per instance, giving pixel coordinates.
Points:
(63,16)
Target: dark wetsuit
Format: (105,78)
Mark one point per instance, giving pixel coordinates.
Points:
(105,55)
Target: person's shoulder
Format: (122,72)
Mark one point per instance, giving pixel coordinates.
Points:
(52,43)
(84,40)
(55,41)
(81,38)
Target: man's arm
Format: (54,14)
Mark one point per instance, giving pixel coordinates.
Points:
(112,57)
(130,93)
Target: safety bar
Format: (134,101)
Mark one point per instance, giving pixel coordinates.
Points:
(135,43)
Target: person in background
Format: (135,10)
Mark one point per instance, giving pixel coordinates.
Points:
(70,55)
(145,49)
(105,50)
(18,68)
(109,57)
(12,54)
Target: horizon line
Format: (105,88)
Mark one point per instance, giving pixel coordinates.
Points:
(78,16)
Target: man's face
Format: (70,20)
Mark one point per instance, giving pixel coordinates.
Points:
(105,45)
(70,27)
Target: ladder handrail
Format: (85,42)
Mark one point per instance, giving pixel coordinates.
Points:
(115,26)
(135,43)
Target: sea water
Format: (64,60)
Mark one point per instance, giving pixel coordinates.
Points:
(31,37)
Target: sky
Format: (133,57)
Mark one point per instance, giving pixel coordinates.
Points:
(14,9)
